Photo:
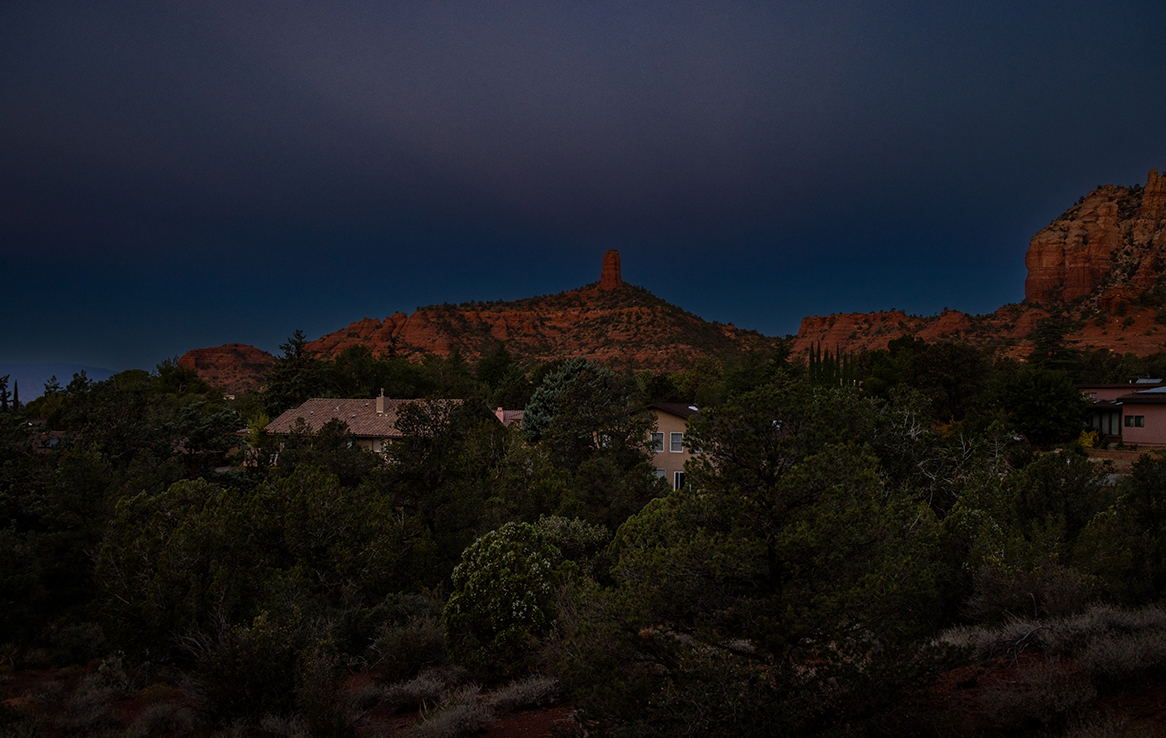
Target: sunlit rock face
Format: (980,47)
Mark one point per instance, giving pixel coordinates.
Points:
(1106,246)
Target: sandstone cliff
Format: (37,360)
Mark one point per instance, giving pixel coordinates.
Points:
(1108,247)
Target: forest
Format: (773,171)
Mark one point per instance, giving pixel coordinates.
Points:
(853,531)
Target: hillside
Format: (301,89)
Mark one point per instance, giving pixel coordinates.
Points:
(610,321)
(1099,266)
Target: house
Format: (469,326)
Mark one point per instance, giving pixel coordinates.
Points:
(1144,417)
(668,451)
(509,417)
(1133,417)
(373,422)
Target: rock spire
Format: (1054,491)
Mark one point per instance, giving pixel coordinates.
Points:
(610,279)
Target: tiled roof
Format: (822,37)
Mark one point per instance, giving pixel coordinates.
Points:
(506,417)
(361,416)
(679,409)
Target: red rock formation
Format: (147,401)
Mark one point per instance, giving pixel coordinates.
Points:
(233,368)
(1114,237)
(625,325)
(610,279)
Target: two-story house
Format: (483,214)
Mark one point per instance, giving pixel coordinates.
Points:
(668,451)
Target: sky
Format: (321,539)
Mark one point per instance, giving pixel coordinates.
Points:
(178,175)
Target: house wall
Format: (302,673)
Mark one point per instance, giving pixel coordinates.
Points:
(668,461)
(1153,430)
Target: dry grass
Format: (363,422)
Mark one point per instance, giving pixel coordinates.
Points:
(460,715)
(524,694)
(1080,657)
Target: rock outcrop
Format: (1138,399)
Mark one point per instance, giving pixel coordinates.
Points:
(233,368)
(1092,267)
(610,278)
(1107,247)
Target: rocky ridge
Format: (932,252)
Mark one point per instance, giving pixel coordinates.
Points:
(1099,267)
(610,321)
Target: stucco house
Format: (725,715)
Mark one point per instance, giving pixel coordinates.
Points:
(1132,413)
(373,422)
(1144,417)
(669,453)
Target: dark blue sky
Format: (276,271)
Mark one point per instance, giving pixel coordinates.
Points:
(180,175)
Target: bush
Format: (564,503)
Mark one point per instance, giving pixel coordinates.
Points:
(245,672)
(411,639)
(427,688)
(503,601)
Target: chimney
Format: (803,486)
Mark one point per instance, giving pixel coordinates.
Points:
(381,402)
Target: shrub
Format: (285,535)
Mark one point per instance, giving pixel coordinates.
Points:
(326,708)
(503,600)
(1047,694)
(427,688)
(401,650)
(89,709)
(244,672)
(161,719)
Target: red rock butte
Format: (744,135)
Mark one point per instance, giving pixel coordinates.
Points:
(610,278)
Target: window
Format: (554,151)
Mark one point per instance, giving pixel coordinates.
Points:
(661,473)
(678,480)
(1135,421)
(657,443)
(676,442)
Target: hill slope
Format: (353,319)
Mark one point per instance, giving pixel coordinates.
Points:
(621,325)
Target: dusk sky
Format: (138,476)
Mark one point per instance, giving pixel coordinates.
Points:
(177,175)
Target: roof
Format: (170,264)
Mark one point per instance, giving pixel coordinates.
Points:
(1156,396)
(361,416)
(679,409)
(506,417)
(1121,385)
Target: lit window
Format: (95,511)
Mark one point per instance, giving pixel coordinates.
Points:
(657,443)
(676,442)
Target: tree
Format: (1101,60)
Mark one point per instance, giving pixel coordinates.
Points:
(296,376)
(583,410)
(1042,403)
(783,590)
